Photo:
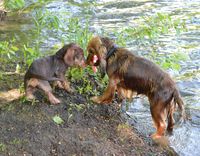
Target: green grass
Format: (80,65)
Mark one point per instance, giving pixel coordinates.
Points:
(2,147)
(20,56)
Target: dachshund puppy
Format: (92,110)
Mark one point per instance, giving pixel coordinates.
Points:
(53,68)
(128,74)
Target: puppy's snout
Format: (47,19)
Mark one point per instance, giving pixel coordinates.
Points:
(83,63)
(80,62)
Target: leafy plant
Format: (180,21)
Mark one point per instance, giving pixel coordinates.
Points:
(170,61)
(30,54)
(14,5)
(81,76)
(16,141)
(77,32)
(151,28)
(58,120)
(148,32)
(7,49)
(8,53)
(2,147)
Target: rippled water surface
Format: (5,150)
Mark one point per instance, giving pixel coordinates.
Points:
(111,15)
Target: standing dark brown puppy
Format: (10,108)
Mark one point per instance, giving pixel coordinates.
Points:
(52,68)
(129,73)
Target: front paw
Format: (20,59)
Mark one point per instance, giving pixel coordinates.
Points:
(54,100)
(108,101)
(156,136)
(70,90)
(95,99)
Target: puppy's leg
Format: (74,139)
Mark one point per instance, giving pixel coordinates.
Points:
(29,92)
(171,120)
(58,84)
(121,92)
(66,85)
(45,86)
(63,85)
(31,88)
(159,116)
(108,94)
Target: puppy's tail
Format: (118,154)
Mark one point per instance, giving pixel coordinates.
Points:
(178,100)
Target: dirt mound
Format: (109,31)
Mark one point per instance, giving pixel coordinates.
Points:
(28,128)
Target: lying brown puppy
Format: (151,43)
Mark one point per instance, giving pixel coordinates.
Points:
(132,73)
(52,68)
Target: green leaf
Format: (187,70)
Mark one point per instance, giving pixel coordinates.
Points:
(175,66)
(18,68)
(14,4)
(14,48)
(166,65)
(58,120)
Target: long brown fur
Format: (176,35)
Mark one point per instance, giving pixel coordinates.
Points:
(129,74)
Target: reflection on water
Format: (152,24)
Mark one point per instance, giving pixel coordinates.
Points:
(111,15)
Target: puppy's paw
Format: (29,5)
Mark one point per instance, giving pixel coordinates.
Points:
(108,101)
(161,140)
(95,99)
(30,97)
(155,136)
(54,100)
(70,90)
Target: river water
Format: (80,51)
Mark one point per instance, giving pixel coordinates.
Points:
(112,15)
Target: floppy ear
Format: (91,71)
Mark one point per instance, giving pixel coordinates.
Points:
(69,56)
(101,49)
(61,53)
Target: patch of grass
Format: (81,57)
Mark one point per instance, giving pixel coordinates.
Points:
(16,141)
(170,61)
(146,34)
(14,5)
(78,107)
(153,27)
(2,147)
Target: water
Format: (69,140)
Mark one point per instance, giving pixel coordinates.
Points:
(112,15)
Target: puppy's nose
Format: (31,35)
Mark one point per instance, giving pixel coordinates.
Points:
(83,63)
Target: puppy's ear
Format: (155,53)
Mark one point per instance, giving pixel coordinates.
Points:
(100,48)
(102,51)
(69,56)
(61,53)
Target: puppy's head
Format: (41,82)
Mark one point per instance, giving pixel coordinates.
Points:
(96,51)
(72,55)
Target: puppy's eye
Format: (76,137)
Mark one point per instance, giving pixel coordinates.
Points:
(90,51)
